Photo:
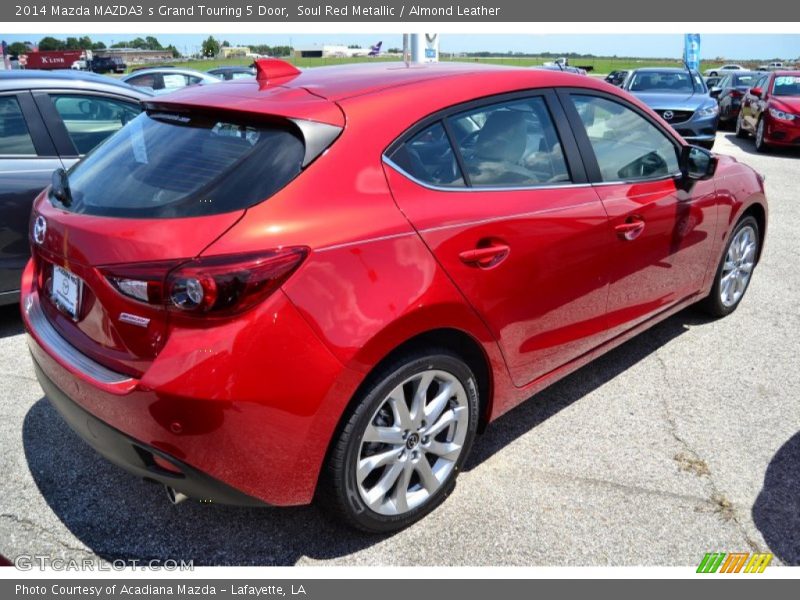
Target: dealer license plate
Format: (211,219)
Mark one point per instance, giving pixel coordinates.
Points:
(67,291)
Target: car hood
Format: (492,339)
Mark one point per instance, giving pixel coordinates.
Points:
(662,101)
(790,102)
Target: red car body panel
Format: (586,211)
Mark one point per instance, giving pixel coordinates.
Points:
(255,400)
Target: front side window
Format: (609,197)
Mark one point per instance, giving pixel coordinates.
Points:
(15,140)
(164,165)
(429,157)
(627,146)
(91,119)
(511,144)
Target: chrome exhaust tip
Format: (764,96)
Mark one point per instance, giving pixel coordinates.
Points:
(175,497)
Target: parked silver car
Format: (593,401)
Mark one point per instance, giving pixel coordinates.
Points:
(162,80)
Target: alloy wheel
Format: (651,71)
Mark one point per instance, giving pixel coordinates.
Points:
(760,134)
(738,266)
(412,443)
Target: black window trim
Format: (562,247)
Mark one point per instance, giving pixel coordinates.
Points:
(585,146)
(55,124)
(572,157)
(40,137)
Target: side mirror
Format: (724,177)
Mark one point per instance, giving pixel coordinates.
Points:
(757,92)
(697,163)
(714,92)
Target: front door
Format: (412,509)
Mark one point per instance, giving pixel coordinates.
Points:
(661,229)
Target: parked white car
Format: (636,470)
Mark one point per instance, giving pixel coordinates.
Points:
(717,70)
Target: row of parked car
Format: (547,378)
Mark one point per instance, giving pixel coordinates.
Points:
(762,104)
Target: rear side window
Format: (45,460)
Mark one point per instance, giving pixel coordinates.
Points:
(510,144)
(167,165)
(429,157)
(148,81)
(15,140)
(91,119)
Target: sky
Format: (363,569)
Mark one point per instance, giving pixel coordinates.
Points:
(733,46)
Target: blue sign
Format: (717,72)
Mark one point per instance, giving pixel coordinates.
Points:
(691,50)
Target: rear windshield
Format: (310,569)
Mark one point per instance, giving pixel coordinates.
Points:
(746,79)
(165,165)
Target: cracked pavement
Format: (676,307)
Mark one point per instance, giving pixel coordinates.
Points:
(680,442)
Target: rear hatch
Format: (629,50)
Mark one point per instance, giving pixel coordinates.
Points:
(151,198)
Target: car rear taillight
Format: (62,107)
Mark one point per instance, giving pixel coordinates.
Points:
(215,286)
(736,94)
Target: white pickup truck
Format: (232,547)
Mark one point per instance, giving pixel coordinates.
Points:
(775,66)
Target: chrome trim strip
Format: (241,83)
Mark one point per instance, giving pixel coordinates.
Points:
(635,181)
(438,188)
(65,352)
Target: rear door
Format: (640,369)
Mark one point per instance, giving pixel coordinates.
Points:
(498,192)
(661,227)
(27,160)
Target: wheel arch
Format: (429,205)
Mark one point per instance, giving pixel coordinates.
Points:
(759,213)
(455,339)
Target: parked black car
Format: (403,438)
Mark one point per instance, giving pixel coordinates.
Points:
(48,120)
(616,77)
(108,64)
(729,92)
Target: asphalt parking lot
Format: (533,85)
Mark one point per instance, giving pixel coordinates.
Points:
(683,441)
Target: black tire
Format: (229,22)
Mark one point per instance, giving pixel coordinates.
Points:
(712,304)
(707,145)
(761,145)
(338,493)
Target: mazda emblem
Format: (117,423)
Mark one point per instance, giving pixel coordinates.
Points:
(39,229)
(668,114)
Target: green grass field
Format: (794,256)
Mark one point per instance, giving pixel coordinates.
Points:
(601,66)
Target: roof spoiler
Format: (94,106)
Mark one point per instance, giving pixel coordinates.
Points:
(269,69)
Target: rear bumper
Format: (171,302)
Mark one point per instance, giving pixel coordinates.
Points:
(136,457)
(244,410)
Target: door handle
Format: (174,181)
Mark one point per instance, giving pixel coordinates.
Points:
(485,257)
(630,230)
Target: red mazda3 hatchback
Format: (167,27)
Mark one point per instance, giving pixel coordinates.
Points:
(323,284)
